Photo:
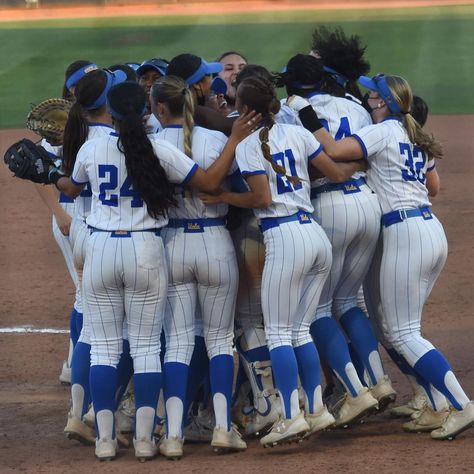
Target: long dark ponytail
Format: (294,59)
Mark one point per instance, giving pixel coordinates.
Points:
(127,103)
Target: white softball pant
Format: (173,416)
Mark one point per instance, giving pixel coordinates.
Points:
(297,263)
(126,276)
(352,224)
(414,253)
(203,270)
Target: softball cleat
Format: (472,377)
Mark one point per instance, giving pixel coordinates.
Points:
(227,441)
(145,449)
(415,405)
(426,420)
(384,393)
(319,421)
(286,430)
(456,423)
(78,430)
(356,408)
(171,448)
(106,449)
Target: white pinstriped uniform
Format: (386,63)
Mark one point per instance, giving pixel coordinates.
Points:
(202,265)
(63,241)
(79,231)
(125,272)
(297,255)
(351,221)
(414,250)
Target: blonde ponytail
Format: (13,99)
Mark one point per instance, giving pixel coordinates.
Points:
(188,115)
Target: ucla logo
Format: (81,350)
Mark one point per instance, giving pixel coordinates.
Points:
(304,218)
(194,226)
(121,232)
(90,68)
(351,187)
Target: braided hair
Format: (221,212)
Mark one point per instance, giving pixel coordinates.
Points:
(258,94)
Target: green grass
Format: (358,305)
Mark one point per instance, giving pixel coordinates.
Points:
(432,48)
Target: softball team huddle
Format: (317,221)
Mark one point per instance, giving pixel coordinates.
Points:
(206,223)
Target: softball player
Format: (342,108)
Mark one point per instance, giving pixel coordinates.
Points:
(125,272)
(88,119)
(203,271)
(350,215)
(62,211)
(402,172)
(297,252)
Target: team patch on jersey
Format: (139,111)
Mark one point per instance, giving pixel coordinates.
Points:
(193,227)
(350,188)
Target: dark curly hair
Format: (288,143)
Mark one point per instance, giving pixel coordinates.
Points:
(344,55)
(303,73)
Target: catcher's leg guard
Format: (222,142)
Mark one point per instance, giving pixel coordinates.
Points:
(258,368)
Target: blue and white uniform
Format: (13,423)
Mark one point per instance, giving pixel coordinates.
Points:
(203,273)
(414,250)
(297,260)
(125,275)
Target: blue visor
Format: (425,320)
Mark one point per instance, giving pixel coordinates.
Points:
(379,84)
(218,86)
(340,78)
(79,74)
(203,70)
(159,65)
(113,78)
(134,66)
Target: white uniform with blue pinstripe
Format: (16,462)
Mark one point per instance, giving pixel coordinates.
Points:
(125,271)
(297,255)
(415,250)
(202,262)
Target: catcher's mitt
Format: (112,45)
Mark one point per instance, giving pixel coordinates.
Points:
(29,161)
(48,119)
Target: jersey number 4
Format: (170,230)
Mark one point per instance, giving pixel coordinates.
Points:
(106,187)
(415,163)
(287,160)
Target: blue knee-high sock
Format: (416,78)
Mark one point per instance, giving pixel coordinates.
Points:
(358,364)
(198,370)
(73,333)
(147,391)
(331,343)
(221,373)
(124,371)
(408,370)
(357,326)
(285,372)
(433,367)
(103,383)
(79,320)
(80,371)
(175,381)
(309,370)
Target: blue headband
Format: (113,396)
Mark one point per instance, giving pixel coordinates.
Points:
(379,84)
(340,78)
(118,116)
(113,78)
(203,69)
(79,74)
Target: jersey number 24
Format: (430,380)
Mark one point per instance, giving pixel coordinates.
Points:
(126,190)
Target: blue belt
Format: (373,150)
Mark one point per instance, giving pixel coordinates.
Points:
(270,222)
(395,217)
(348,187)
(195,225)
(124,233)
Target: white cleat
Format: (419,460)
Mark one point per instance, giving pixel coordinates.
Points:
(172,448)
(261,424)
(286,430)
(354,409)
(80,431)
(415,405)
(383,392)
(227,441)
(106,449)
(456,423)
(145,449)
(65,375)
(319,421)
(426,420)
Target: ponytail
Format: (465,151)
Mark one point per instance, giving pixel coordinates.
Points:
(127,104)
(188,115)
(420,138)
(75,134)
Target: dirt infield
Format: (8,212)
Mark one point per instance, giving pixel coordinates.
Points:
(181,8)
(36,290)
